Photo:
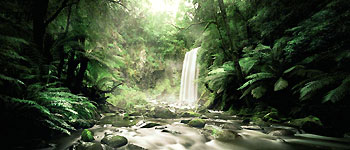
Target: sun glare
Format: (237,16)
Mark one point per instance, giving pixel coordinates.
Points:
(161,6)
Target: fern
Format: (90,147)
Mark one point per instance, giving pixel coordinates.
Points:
(258,92)
(300,70)
(338,93)
(256,77)
(312,87)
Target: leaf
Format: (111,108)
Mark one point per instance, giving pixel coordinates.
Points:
(280,84)
(258,92)
(293,68)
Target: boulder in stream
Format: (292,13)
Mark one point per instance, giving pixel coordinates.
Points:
(226,135)
(150,125)
(164,113)
(309,124)
(87,135)
(114,141)
(198,123)
(282,132)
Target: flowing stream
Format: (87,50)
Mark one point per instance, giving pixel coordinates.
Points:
(171,134)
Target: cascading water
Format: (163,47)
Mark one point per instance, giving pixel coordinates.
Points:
(188,90)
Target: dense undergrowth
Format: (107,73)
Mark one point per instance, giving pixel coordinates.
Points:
(62,60)
(293,56)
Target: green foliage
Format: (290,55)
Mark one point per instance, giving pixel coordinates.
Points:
(54,108)
(280,84)
(280,52)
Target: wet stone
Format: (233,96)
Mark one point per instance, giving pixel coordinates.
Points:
(282,132)
(114,141)
(226,135)
(150,125)
(198,123)
(252,127)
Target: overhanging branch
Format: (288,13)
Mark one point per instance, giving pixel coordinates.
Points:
(119,2)
(58,11)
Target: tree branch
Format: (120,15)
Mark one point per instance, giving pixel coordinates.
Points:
(119,2)
(186,28)
(111,90)
(58,11)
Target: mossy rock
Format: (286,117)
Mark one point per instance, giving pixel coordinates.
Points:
(89,146)
(259,121)
(226,135)
(198,123)
(164,113)
(190,114)
(87,135)
(114,141)
(309,124)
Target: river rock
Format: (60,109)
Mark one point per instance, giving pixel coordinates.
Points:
(114,141)
(89,146)
(309,124)
(87,135)
(226,135)
(164,113)
(231,126)
(282,132)
(252,127)
(190,114)
(150,125)
(198,123)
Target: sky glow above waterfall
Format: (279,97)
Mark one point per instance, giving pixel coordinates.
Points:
(161,6)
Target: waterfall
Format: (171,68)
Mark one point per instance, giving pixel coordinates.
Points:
(188,90)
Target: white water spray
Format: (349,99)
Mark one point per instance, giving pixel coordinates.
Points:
(188,90)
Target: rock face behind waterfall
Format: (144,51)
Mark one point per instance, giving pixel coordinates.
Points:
(188,91)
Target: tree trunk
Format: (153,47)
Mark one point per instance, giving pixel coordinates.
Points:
(233,47)
(39,11)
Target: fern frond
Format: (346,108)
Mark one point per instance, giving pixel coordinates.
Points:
(280,84)
(10,79)
(312,87)
(258,92)
(256,77)
(338,93)
(300,70)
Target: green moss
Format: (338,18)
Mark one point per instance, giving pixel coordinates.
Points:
(302,121)
(87,135)
(190,114)
(198,123)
